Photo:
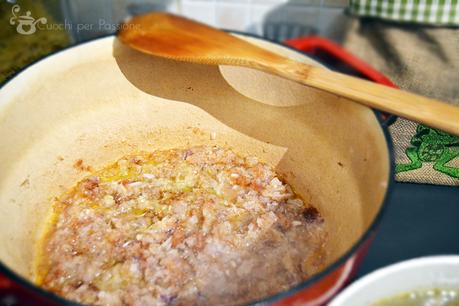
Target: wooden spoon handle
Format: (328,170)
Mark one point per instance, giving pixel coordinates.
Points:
(417,108)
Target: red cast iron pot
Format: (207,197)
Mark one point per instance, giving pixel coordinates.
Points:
(101,100)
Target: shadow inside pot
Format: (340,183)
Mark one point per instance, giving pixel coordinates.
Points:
(289,109)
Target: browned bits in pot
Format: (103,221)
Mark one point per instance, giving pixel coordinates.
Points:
(198,226)
(311,214)
(80,165)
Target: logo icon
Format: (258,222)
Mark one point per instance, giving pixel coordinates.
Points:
(26,24)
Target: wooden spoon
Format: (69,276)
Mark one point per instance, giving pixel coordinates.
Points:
(182,39)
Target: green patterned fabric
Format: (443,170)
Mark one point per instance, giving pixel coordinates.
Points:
(431,148)
(423,60)
(436,12)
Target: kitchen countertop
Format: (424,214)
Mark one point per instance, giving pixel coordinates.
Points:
(420,220)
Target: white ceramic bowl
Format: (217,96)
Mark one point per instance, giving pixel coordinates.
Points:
(421,273)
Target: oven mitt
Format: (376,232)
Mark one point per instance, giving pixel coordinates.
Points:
(423,60)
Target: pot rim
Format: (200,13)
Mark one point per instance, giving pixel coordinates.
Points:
(4,270)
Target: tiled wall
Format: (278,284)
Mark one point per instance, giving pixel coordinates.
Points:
(275,19)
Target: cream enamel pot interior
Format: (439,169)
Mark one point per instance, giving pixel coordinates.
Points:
(101,100)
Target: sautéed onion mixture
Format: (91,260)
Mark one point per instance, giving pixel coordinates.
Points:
(195,226)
